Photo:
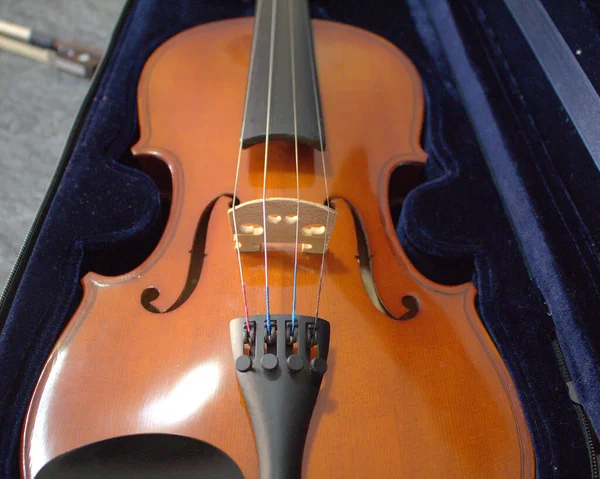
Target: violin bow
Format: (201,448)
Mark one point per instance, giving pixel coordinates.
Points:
(68,57)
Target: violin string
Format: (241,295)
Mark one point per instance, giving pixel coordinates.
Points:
(237,176)
(320,127)
(264,202)
(237,244)
(297,174)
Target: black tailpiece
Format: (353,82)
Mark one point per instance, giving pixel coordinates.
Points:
(280,383)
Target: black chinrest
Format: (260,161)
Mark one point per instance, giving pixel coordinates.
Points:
(144,456)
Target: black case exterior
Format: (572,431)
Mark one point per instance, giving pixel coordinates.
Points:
(508,199)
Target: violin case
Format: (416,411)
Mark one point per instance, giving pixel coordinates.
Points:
(508,199)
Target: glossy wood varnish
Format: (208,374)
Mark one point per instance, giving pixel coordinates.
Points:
(426,397)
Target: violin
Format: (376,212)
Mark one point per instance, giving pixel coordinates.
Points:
(278,329)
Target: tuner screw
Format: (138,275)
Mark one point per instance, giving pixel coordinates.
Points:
(318,366)
(243,363)
(295,363)
(269,362)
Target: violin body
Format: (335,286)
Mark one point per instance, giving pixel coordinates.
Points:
(424,397)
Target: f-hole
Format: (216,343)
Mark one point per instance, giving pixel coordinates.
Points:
(366,270)
(198,254)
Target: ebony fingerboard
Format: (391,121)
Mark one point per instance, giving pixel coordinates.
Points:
(292,29)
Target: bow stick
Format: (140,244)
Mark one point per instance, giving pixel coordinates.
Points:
(64,56)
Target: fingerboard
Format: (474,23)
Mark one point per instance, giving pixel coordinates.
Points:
(289,22)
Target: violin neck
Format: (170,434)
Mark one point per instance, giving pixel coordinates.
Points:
(283,69)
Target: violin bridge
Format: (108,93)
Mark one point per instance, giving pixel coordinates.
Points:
(315,224)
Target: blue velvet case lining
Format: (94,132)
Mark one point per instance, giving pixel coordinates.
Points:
(483,87)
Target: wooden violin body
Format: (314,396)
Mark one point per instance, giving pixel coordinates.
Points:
(425,397)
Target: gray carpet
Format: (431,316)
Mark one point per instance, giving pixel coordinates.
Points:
(37,107)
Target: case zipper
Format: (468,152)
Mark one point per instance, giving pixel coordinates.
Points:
(589,435)
(18,269)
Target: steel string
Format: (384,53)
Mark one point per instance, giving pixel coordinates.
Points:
(264,202)
(237,175)
(320,127)
(297,173)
